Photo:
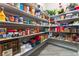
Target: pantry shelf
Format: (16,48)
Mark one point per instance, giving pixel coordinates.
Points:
(4,39)
(53,38)
(34,6)
(70,25)
(14,10)
(67,20)
(75,11)
(64,33)
(73,25)
(7,24)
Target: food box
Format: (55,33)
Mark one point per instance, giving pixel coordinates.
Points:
(2,30)
(7,52)
(11,47)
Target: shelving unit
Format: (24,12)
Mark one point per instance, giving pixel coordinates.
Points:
(43,31)
(7,24)
(75,11)
(60,37)
(16,11)
(4,39)
(11,10)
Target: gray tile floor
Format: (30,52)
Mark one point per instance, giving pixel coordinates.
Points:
(52,50)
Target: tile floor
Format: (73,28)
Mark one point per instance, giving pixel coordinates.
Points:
(52,50)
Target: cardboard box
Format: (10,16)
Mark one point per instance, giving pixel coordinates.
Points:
(0,50)
(9,48)
(7,52)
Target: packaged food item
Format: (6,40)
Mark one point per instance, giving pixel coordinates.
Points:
(42,38)
(38,11)
(0,50)
(28,21)
(28,9)
(11,18)
(20,32)
(9,34)
(7,19)
(7,52)
(17,5)
(77,37)
(68,16)
(4,35)
(62,17)
(46,36)
(2,15)
(57,29)
(74,36)
(32,10)
(16,18)
(25,7)
(3,32)
(62,29)
(23,33)
(12,33)
(37,30)
(33,41)
(66,30)
(20,20)
(9,48)
(77,7)
(27,31)
(73,30)
(21,6)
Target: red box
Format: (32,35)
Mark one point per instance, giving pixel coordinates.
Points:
(77,7)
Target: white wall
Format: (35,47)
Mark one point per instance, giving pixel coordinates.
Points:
(49,6)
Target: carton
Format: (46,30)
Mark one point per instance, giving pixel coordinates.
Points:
(7,52)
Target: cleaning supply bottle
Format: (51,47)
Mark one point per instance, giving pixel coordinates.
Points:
(2,15)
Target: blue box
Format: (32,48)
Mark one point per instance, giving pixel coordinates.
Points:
(21,6)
